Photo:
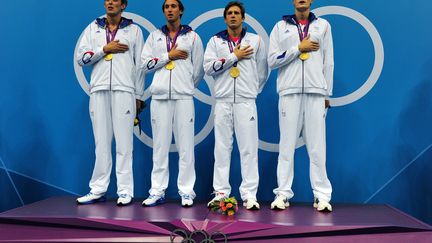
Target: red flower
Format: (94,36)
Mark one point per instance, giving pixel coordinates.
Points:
(229,205)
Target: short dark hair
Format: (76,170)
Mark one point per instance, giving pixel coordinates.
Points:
(181,6)
(125,2)
(235,3)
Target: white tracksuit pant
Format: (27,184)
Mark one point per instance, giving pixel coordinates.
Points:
(113,113)
(168,116)
(242,119)
(303,113)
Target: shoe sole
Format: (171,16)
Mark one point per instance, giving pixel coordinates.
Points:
(158,202)
(124,204)
(254,207)
(277,208)
(101,199)
(326,209)
(187,205)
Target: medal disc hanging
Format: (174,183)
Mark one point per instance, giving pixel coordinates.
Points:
(235,72)
(109,57)
(170,65)
(304,56)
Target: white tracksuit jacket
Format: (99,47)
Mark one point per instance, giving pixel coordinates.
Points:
(114,87)
(182,80)
(172,107)
(314,75)
(121,73)
(235,109)
(302,88)
(254,71)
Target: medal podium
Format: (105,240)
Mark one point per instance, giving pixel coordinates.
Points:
(60,219)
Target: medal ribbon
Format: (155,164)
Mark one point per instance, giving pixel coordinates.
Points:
(231,46)
(110,35)
(302,34)
(170,44)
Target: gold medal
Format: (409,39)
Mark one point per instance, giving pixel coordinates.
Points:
(170,65)
(235,72)
(304,56)
(109,57)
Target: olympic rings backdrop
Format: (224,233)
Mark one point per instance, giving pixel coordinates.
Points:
(379,138)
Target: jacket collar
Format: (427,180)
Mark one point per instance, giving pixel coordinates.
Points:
(184,29)
(293,20)
(124,22)
(224,34)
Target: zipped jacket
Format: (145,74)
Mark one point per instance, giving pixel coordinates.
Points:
(179,82)
(219,60)
(314,75)
(121,72)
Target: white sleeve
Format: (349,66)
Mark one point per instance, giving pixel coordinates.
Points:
(262,65)
(150,60)
(328,61)
(139,73)
(87,54)
(278,57)
(213,64)
(197,60)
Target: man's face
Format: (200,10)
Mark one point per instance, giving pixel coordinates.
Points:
(114,7)
(302,5)
(234,17)
(172,11)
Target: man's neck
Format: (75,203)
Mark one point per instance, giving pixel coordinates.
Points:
(235,32)
(302,15)
(113,21)
(173,27)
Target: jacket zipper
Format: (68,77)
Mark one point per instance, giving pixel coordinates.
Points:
(169,88)
(111,73)
(303,77)
(235,90)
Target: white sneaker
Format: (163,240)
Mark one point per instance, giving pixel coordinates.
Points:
(251,204)
(280,202)
(186,200)
(322,206)
(91,198)
(218,196)
(124,200)
(153,200)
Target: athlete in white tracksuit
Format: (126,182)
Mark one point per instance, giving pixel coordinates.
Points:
(172,107)
(303,87)
(115,86)
(235,109)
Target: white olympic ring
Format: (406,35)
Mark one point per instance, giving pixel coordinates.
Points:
(216,13)
(378,48)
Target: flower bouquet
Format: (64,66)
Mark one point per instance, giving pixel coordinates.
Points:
(226,206)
